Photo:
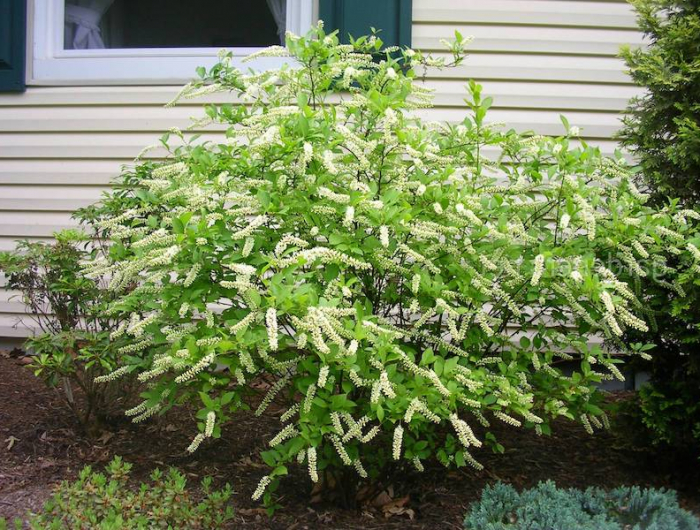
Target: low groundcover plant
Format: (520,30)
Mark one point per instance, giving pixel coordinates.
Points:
(545,507)
(107,501)
(393,281)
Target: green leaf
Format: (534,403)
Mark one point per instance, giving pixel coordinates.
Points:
(565,122)
(279,471)
(207,401)
(380,412)
(178,226)
(270,457)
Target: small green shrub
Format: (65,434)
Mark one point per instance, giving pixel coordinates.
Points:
(106,502)
(547,507)
(73,346)
(670,410)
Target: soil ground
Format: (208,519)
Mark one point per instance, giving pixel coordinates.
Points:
(42,445)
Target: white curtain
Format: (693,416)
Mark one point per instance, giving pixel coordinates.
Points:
(82,24)
(278,8)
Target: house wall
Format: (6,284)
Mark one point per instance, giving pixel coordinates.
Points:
(59,146)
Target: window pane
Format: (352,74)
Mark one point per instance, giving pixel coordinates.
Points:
(95,24)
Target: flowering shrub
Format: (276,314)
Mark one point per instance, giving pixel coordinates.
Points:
(393,282)
(545,506)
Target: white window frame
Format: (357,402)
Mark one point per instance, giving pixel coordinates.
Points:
(50,64)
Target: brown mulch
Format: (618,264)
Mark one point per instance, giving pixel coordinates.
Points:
(40,445)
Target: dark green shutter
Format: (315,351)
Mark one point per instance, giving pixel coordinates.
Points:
(13,28)
(356,17)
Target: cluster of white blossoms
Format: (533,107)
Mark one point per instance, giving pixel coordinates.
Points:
(398,440)
(262,486)
(113,376)
(312,462)
(538,270)
(464,432)
(384,236)
(418,406)
(209,427)
(196,368)
(288,432)
(376,274)
(271,322)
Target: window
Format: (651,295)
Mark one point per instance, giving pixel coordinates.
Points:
(100,24)
(152,41)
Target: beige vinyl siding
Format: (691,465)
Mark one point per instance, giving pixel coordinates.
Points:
(59,146)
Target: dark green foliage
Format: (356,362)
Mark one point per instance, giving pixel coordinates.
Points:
(105,502)
(669,407)
(547,507)
(663,131)
(663,126)
(73,346)
(671,410)
(48,276)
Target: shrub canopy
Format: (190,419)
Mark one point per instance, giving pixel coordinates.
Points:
(391,281)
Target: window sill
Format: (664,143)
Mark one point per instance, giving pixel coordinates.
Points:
(157,67)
